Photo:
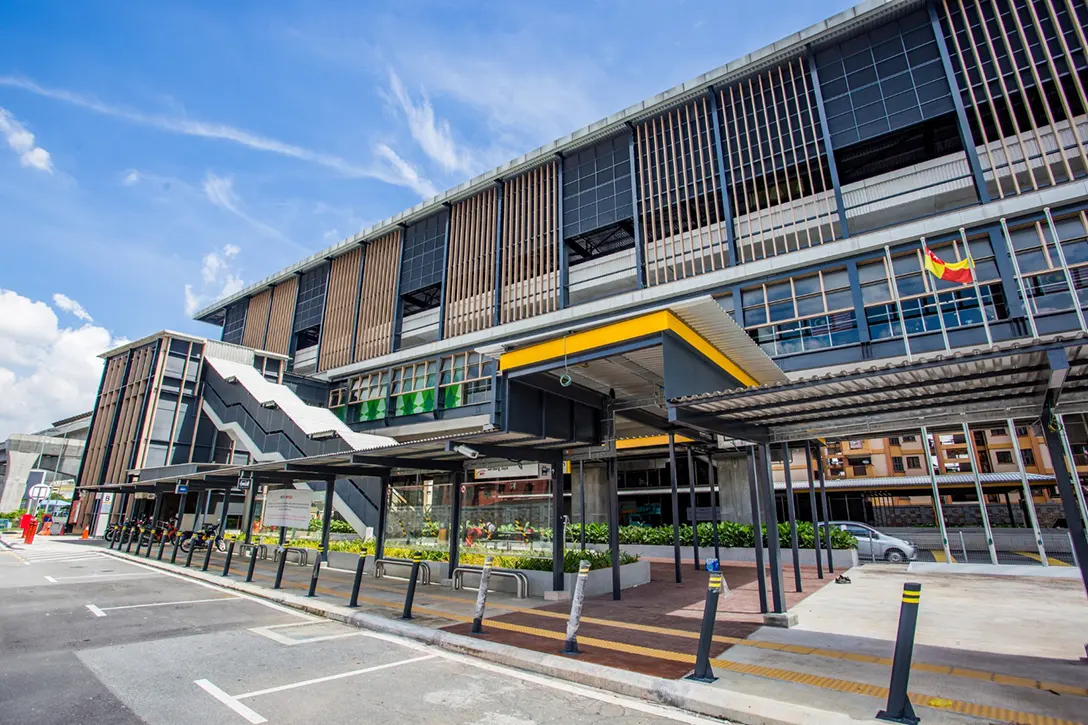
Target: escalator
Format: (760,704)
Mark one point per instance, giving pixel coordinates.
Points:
(271,423)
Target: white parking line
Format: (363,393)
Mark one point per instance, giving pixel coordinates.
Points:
(230,702)
(277,637)
(56,580)
(167,604)
(51,580)
(329,678)
(96,611)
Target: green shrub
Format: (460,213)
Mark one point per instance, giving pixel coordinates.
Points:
(16,514)
(336,526)
(572,559)
(730,534)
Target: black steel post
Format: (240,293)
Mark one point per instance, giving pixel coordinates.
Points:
(252,564)
(1065,489)
(899,708)
(827,511)
(614,525)
(703,671)
(134,533)
(582,504)
(557,525)
(792,513)
(230,555)
(694,509)
(812,505)
(279,569)
(455,521)
(312,591)
(354,601)
(177,543)
(416,559)
(192,548)
(251,508)
(326,519)
(675,507)
(209,544)
(774,547)
(383,505)
(162,545)
(757,529)
(712,476)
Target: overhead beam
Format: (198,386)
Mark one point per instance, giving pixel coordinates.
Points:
(550,384)
(420,464)
(1058,361)
(510,453)
(716,426)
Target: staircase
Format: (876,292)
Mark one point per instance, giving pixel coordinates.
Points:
(271,423)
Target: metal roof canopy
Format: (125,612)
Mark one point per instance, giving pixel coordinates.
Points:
(1008,380)
(635,361)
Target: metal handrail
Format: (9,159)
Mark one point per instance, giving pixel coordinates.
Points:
(519,577)
(424,569)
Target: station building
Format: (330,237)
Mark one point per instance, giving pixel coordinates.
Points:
(737,260)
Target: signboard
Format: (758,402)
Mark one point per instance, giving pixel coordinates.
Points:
(244,483)
(287,508)
(181,488)
(39,491)
(524,470)
(704,513)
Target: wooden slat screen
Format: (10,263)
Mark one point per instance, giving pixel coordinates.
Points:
(680,203)
(377,300)
(105,407)
(530,244)
(342,296)
(470,280)
(130,412)
(282,317)
(781,196)
(1027,138)
(257,320)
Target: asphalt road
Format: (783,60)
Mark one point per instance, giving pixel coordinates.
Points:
(89,639)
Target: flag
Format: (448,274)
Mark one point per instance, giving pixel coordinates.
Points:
(959,272)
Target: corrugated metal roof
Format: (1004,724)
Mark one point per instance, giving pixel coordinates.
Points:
(963,386)
(716,326)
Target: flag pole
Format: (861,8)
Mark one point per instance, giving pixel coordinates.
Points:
(1020,280)
(936,299)
(898,304)
(978,292)
(1065,268)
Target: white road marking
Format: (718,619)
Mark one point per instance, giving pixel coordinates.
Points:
(231,702)
(93,576)
(240,595)
(277,637)
(339,676)
(167,604)
(96,611)
(51,580)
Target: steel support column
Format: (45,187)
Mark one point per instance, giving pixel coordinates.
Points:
(938,510)
(455,521)
(557,525)
(614,525)
(757,529)
(383,506)
(774,548)
(251,509)
(827,510)
(326,518)
(675,507)
(791,511)
(712,475)
(694,509)
(832,169)
(981,495)
(1068,495)
(640,267)
(812,506)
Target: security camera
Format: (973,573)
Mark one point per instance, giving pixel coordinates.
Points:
(466,451)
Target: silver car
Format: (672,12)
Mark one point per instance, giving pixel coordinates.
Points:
(873,544)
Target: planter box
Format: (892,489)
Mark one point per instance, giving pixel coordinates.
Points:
(843,558)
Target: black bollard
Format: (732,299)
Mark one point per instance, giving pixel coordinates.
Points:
(354,601)
(703,671)
(192,548)
(150,542)
(416,559)
(174,553)
(312,591)
(114,537)
(252,564)
(209,545)
(230,555)
(899,708)
(128,546)
(162,546)
(279,569)
(570,645)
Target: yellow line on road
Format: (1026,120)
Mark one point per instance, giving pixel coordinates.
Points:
(1049,560)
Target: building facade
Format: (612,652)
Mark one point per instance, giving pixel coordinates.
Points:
(49,456)
(799,187)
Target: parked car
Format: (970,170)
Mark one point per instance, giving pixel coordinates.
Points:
(875,544)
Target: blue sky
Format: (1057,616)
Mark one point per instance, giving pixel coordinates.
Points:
(154,156)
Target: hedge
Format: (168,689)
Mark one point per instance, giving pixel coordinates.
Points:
(730,534)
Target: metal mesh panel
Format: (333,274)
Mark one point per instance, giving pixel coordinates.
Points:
(597,186)
(311,298)
(235,322)
(421,260)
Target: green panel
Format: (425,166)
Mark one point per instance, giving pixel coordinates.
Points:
(371,410)
(340,411)
(413,403)
(453,396)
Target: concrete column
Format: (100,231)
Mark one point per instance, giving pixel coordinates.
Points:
(734,498)
(596,485)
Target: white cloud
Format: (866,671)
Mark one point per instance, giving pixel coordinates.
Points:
(219,190)
(205,129)
(47,371)
(131,178)
(66,303)
(406,173)
(433,135)
(220,277)
(21,142)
